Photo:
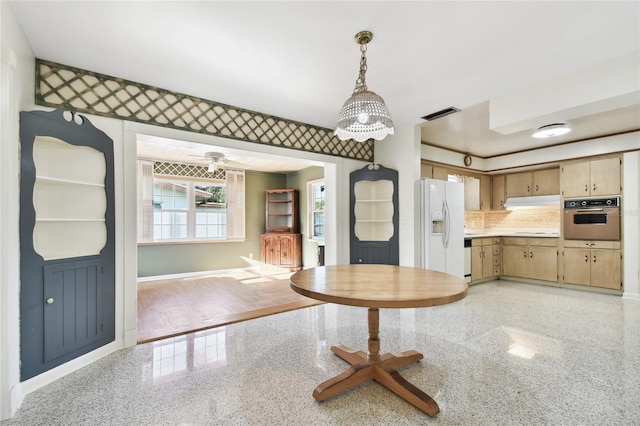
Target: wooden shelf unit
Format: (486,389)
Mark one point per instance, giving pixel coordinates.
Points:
(281,211)
(281,244)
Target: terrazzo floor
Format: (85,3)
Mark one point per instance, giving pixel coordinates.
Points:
(507,354)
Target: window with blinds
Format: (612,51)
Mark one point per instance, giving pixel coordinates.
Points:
(185,206)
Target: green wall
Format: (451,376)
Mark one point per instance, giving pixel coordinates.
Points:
(167,259)
(298,180)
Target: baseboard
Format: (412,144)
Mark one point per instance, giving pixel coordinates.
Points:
(63,370)
(189,274)
(564,285)
(631,296)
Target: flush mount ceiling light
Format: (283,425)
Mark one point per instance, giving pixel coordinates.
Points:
(551,130)
(364,115)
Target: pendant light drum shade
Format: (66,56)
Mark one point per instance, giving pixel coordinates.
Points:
(364,115)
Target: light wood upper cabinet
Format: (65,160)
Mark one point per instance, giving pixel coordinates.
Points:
(426,171)
(498,192)
(538,182)
(546,182)
(575,179)
(485,192)
(589,178)
(471,193)
(518,184)
(605,176)
(440,173)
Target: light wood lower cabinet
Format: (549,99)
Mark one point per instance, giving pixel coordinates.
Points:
(485,258)
(592,263)
(282,250)
(533,258)
(514,260)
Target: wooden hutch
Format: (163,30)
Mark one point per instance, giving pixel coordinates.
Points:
(281,244)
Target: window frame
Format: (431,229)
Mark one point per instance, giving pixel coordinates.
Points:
(232,181)
(191,211)
(311,185)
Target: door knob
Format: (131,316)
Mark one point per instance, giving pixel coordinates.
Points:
(50,301)
(586,258)
(594,258)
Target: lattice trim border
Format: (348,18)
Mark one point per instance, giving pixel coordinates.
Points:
(165,168)
(85,91)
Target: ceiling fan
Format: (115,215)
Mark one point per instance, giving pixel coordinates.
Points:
(215,158)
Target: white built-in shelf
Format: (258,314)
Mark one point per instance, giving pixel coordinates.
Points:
(69,199)
(68,181)
(51,219)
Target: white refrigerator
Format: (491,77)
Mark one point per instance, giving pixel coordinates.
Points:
(442,226)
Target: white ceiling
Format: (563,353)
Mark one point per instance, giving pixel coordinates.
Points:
(298,60)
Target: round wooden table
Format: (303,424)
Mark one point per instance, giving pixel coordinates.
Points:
(375,287)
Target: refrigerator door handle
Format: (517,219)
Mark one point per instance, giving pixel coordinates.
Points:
(443,236)
(447,224)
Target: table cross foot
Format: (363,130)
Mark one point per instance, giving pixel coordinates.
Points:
(384,372)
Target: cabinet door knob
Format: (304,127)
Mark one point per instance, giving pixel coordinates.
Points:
(525,253)
(594,186)
(530,254)
(50,300)
(528,188)
(586,188)
(536,188)
(594,258)
(586,258)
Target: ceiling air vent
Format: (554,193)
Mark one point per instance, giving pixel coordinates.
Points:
(440,114)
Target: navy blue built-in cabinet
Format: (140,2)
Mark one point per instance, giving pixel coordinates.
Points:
(67,239)
(374,215)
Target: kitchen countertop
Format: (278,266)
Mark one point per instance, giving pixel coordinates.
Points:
(524,234)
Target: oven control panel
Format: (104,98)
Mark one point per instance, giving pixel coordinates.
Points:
(591,203)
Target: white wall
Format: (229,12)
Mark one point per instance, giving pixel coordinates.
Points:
(631,225)
(401,152)
(16,89)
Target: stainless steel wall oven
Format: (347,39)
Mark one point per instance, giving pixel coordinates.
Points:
(592,219)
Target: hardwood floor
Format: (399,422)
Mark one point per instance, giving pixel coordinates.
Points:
(170,307)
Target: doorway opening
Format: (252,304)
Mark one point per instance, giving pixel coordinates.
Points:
(186,285)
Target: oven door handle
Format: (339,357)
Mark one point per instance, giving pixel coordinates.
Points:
(589,210)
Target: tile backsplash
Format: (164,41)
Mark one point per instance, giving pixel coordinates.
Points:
(533,218)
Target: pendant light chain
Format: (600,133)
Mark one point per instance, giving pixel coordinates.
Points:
(361,83)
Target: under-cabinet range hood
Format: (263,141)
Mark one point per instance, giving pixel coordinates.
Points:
(533,201)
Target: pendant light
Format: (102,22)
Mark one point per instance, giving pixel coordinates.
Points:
(364,115)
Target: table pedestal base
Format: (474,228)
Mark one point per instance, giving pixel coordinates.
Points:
(382,369)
